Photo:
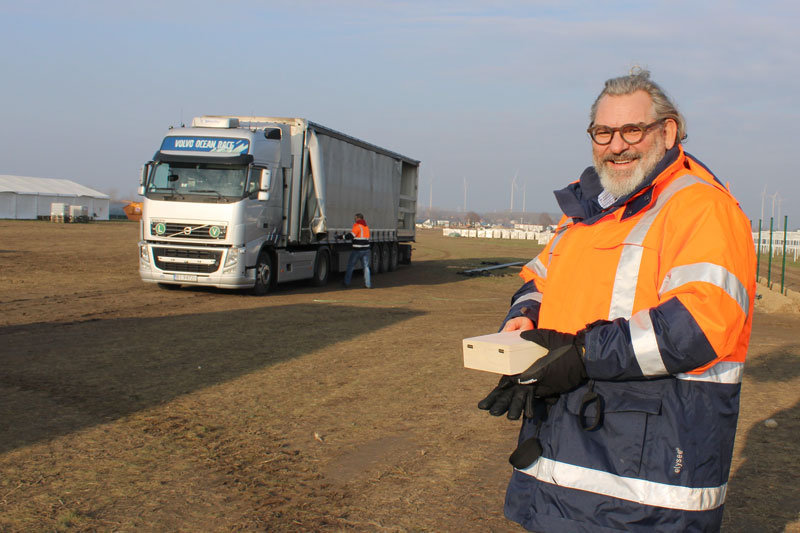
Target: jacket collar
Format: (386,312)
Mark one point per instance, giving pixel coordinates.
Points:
(578,200)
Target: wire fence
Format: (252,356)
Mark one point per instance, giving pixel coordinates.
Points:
(776,248)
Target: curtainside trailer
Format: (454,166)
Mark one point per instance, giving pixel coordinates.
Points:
(245,202)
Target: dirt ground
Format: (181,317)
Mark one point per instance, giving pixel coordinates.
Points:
(127,407)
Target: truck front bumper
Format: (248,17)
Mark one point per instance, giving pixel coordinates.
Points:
(190,265)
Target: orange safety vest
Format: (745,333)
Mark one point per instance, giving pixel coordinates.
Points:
(360,235)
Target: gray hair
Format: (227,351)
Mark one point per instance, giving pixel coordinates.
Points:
(639,80)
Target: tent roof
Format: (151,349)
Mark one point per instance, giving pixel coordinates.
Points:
(49,186)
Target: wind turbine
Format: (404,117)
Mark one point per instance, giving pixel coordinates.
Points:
(774,197)
(524,193)
(513,186)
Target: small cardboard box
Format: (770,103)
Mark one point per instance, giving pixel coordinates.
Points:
(502,353)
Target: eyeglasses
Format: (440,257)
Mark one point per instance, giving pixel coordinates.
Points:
(630,133)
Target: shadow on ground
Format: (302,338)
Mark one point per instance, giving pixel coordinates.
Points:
(764,492)
(58,378)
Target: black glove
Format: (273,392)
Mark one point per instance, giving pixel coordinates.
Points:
(509,396)
(562,369)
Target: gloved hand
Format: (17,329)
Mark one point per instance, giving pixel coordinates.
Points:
(562,369)
(509,396)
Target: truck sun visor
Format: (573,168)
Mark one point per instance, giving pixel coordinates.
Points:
(244,159)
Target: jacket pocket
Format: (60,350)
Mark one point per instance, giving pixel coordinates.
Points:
(616,444)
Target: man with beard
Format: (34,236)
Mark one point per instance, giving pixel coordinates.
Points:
(644,299)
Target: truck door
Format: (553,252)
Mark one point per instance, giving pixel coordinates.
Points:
(264,216)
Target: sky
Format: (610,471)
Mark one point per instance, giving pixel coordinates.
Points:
(492,97)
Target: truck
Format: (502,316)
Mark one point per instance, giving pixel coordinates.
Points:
(246,202)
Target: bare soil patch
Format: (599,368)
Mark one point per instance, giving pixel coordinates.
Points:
(127,407)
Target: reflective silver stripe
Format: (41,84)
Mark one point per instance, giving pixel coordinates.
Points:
(624,292)
(710,273)
(537,266)
(535,296)
(723,372)
(627,488)
(645,346)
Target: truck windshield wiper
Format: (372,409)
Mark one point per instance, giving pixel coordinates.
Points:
(206,190)
(167,190)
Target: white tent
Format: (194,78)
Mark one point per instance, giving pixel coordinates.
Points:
(23,197)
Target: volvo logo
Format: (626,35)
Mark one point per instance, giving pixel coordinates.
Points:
(187,230)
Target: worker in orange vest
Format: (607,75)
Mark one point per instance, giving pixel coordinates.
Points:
(644,298)
(360,237)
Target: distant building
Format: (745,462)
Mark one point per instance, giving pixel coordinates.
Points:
(23,197)
(792,243)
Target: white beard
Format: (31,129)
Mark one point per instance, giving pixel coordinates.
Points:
(622,183)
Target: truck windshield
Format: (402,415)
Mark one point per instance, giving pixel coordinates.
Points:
(189,181)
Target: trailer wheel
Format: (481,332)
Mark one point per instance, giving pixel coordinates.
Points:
(265,274)
(375,258)
(393,259)
(322,268)
(405,254)
(384,257)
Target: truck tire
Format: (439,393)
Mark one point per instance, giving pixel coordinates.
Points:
(393,259)
(405,254)
(265,274)
(322,268)
(374,258)
(384,257)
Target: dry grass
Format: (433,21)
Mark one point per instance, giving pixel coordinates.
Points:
(125,407)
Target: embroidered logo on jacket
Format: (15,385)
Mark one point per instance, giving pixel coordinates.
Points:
(678,464)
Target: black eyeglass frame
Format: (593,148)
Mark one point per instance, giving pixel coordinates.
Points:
(592,130)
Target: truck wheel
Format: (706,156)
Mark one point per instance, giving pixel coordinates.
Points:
(322,268)
(374,258)
(169,286)
(265,274)
(405,254)
(384,257)
(393,257)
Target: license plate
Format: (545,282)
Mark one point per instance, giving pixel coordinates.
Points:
(185,277)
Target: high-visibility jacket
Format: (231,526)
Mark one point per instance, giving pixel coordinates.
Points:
(672,268)
(360,233)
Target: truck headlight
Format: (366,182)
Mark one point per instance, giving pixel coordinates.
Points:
(144,253)
(232,259)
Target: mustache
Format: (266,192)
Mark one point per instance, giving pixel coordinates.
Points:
(627,155)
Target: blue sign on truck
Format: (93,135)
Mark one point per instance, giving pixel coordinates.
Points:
(206,144)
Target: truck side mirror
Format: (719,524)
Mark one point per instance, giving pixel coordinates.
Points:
(143,171)
(263,193)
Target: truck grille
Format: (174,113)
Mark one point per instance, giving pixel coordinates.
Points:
(183,260)
(175,230)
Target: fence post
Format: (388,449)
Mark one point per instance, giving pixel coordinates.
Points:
(769,259)
(758,251)
(783,267)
